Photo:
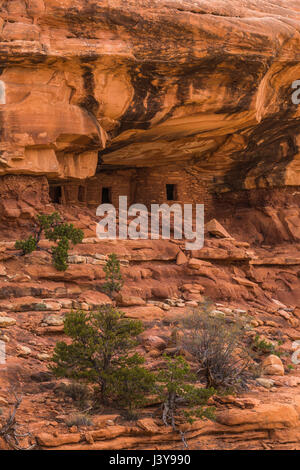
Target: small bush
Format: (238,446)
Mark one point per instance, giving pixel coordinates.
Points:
(266,347)
(79,419)
(27,246)
(55,230)
(219,349)
(130,384)
(177,390)
(113,277)
(79,393)
(101,353)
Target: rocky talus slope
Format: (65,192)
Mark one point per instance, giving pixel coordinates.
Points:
(162,282)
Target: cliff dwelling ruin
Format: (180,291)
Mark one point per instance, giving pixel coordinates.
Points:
(140,185)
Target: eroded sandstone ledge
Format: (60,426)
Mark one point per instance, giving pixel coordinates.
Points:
(205,84)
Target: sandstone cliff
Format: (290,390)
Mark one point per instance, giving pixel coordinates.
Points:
(152,82)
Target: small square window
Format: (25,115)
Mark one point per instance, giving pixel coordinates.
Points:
(171,192)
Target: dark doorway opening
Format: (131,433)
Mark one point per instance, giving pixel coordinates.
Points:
(171,192)
(55,193)
(106,195)
(81,194)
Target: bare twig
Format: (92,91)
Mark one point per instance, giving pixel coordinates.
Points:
(9,430)
(168,417)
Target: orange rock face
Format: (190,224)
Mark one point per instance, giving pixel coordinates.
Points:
(101,99)
(207,84)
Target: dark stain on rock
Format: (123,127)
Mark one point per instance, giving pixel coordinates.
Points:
(147,100)
(242,80)
(269,152)
(89,103)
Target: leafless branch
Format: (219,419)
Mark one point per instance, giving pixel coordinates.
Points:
(9,430)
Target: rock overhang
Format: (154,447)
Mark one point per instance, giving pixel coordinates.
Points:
(203,84)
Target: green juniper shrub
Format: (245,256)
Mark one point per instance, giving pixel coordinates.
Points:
(55,230)
(113,276)
(101,352)
(27,246)
(180,396)
(60,254)
(131,383)
(266,347)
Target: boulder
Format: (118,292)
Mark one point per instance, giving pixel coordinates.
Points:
(215,228)
(23,351)
(76,259)
(148,425)
(264,416)
(5,322)
(153,342)
(198,264)
(266,383)
(272,365)
(181,258)
(47,305)
(193,288)
(53,320)
(49,440)
(125,300)
(94,299)
(2,270)
(146,313)
(244,282)
(43,357)
(28,303)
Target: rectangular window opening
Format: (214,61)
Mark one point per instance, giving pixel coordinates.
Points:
(55,193)
(171,192)
(106,195)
